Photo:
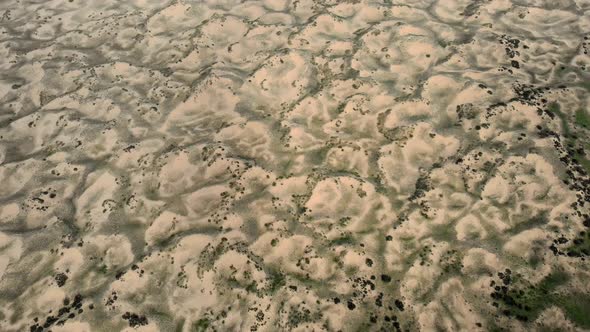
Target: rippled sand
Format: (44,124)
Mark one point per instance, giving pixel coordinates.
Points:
(278,165)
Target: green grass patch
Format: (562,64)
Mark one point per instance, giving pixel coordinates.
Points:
(526,301)
(582,118)
(576,307)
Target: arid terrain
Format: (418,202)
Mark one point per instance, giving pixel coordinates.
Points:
(294,165)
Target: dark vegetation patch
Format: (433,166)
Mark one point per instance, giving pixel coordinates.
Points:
(511,44)
(69,310)
(135,320)
(60,279)
(201,325)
